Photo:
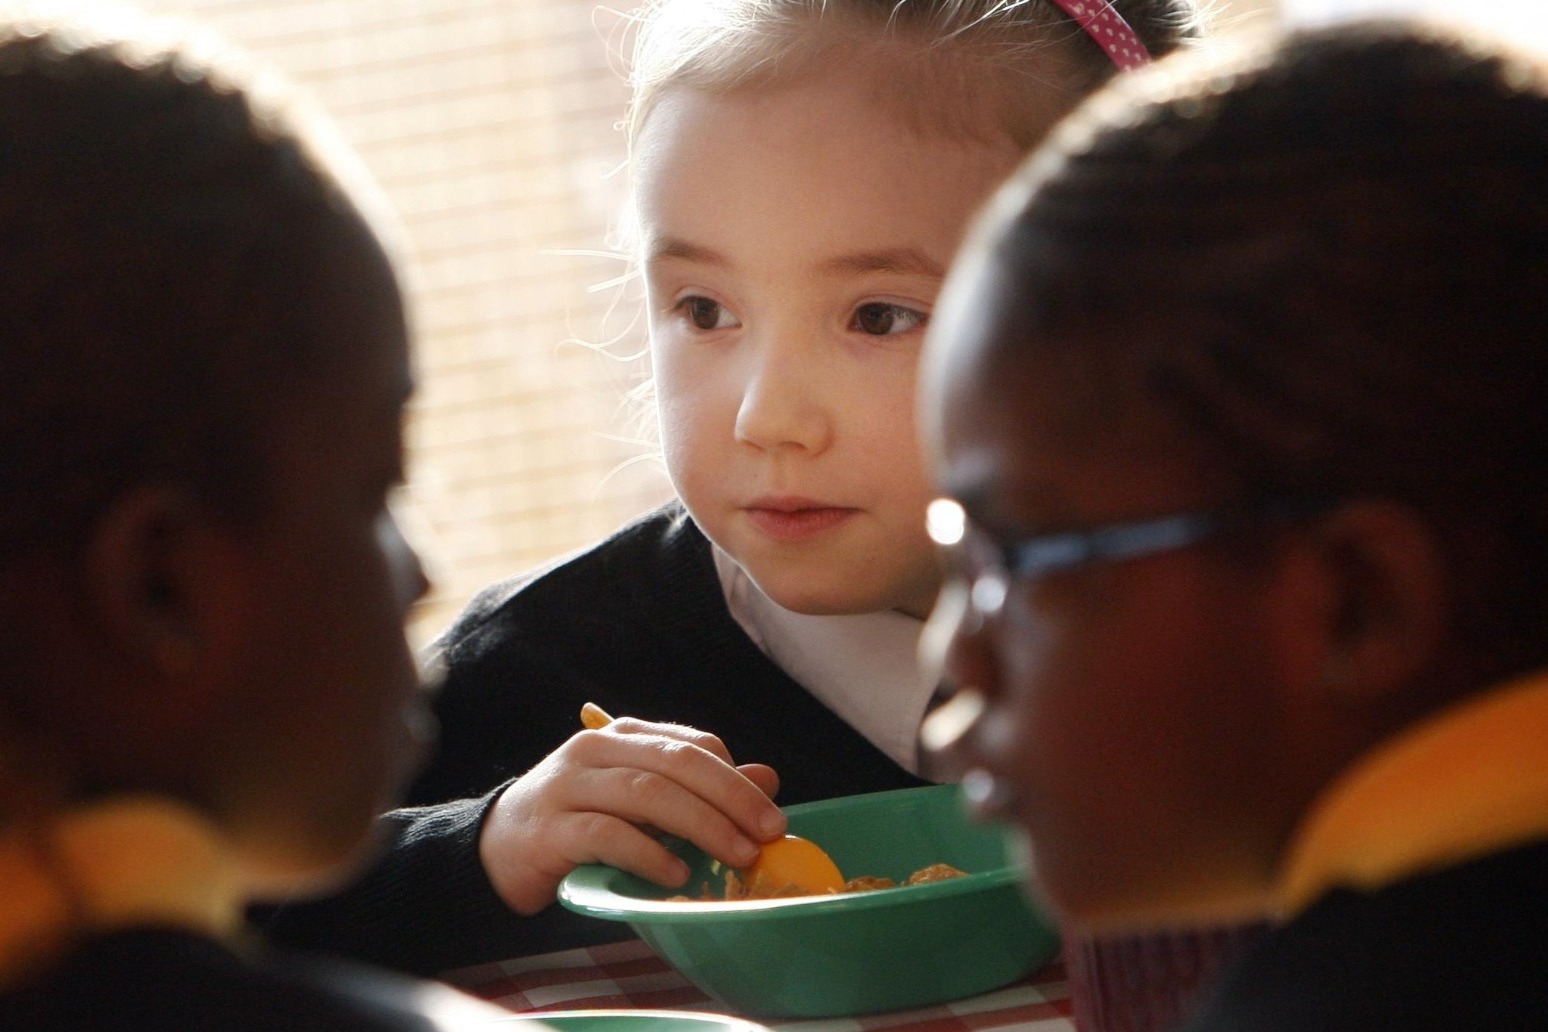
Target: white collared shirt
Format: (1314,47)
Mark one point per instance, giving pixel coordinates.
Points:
(864,667)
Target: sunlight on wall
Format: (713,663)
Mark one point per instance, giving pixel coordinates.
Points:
(491,126)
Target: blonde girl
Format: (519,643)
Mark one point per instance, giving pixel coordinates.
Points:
(802,172)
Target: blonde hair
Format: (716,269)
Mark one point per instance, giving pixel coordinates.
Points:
(719,45)
(1017,52)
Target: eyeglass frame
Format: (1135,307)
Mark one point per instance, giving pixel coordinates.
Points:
(1028,558)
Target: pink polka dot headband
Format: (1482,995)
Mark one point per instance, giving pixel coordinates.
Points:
(1106,26)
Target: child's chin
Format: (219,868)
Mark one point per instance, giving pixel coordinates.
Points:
(821,599)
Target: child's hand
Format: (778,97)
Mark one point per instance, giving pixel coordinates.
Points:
(603,795)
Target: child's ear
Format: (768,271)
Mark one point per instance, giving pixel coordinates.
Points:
(1389,597)
(152,578)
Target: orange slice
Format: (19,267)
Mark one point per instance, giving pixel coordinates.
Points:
(792,866)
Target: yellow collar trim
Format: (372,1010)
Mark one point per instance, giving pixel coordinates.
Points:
(1470,781)
(113,864)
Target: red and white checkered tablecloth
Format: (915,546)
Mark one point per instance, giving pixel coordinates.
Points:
(629,975)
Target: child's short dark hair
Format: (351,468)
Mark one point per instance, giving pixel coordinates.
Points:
(1329,256)
(161,231)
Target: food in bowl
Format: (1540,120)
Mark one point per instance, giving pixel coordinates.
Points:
(737,888)
(790,866)
(793,866)
(846,953)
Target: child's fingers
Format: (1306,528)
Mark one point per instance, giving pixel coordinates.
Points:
(628,848)
(725,814)
(590,837)
(526,848)
(697,761)
(597,797)
(762,775)
(680,732)
(669,783)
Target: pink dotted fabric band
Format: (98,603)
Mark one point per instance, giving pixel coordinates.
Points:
(1104,24)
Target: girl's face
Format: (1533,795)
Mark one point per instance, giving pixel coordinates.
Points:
(1126,721)
(794,238)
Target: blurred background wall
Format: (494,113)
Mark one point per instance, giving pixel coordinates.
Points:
(491,124)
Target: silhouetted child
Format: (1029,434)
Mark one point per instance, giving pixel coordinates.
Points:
(207,693)
(1240,397)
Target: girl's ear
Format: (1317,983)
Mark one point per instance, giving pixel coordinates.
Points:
(1389,601)
(152,577)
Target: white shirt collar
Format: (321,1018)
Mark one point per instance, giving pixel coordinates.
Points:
(863,667)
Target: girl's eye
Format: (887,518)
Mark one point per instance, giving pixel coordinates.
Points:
(706,314)
(881,319)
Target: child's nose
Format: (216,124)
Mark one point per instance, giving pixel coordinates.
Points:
(957,646)
(786,400)
(954,649)
(407,570)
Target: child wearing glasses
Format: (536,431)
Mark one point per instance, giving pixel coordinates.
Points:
(1237,397)
(208,695)
(803,172)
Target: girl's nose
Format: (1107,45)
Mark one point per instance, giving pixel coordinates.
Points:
(785,400)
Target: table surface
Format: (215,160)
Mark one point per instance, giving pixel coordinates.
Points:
(629,975)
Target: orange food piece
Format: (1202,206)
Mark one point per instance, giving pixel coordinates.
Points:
(794,866)
(869,883)
(934,873)
(791,866)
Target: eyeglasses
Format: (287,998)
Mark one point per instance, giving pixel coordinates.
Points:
(988,567)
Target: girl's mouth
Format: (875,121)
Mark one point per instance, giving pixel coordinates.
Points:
(784,521)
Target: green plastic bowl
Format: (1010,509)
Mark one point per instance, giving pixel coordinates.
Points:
(825,956)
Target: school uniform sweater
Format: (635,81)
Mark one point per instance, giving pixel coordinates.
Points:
(1417,889)
(1462,948)
(123,915)
(172,980)
(639,625)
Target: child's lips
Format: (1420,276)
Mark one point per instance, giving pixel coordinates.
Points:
(797,521)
